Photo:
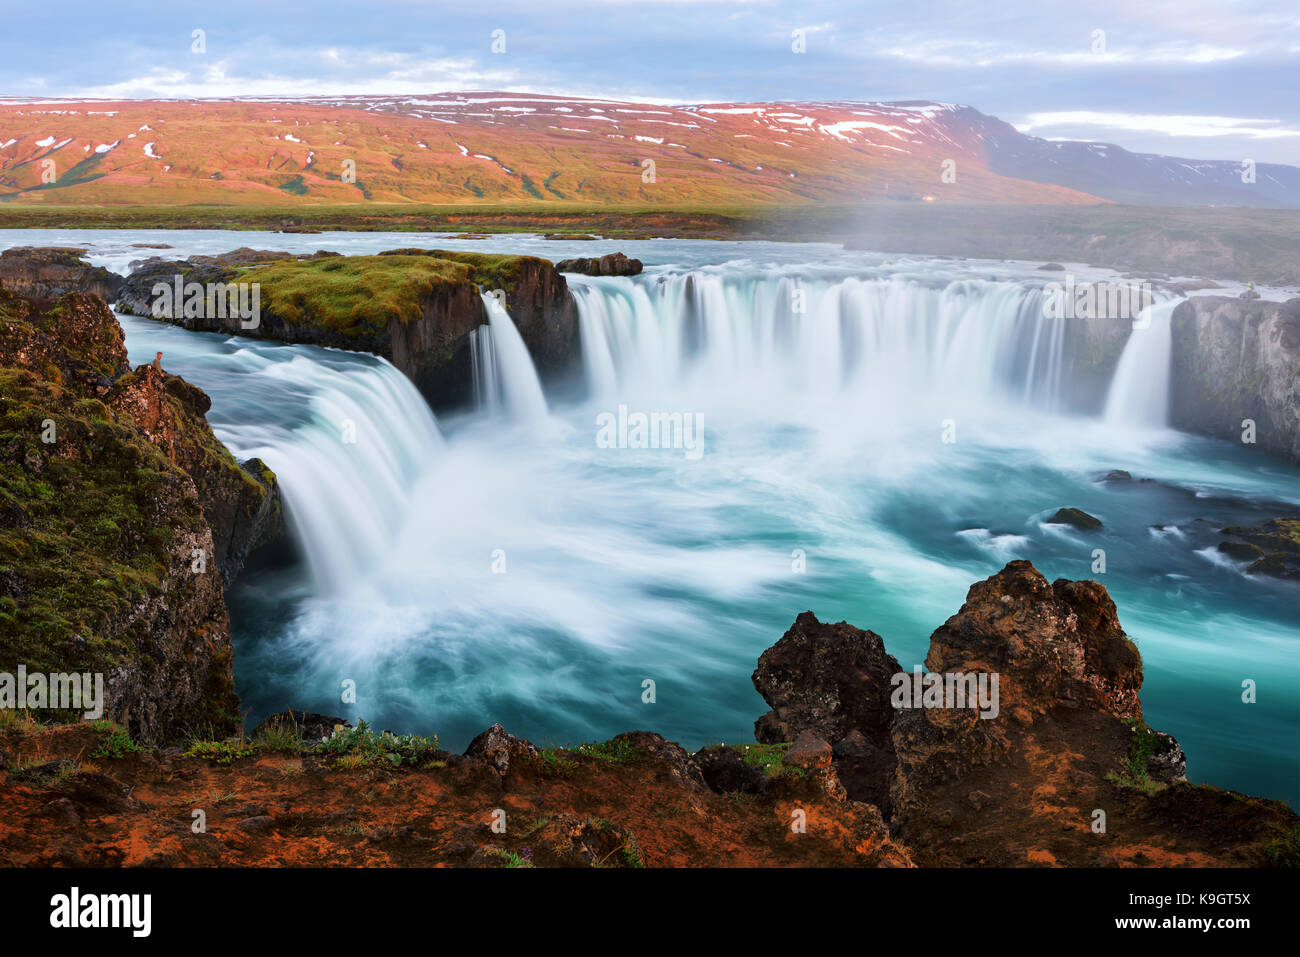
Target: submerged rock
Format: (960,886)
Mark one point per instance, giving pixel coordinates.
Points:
(1272,547)
(1076,517)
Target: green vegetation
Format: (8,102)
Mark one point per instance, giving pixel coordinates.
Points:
(94,508)
(281,736)
(114,741)
(358,296)
(764,756)
(512,859)
(362,746)
(1133,773)
(618,751)
(221,752)
(1285,851)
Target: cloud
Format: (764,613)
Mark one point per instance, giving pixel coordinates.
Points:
(1162,123)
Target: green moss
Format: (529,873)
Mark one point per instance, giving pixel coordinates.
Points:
(90,540)
(619,751)
(353,296)
(766,757)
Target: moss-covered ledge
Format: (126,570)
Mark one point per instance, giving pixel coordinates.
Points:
(414,307)
(110,482)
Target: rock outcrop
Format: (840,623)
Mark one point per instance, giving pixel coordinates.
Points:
(1272,547)
(1061,771)
(120,514)
(1020,782)
(611,264)
(48,272)
(415,307)
(1233,360)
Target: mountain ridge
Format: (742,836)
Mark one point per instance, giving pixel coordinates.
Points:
(494,147)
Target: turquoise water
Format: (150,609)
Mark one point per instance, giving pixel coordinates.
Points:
(627,564)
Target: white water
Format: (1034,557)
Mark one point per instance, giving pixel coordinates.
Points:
(882,346)
(503,370)
(822,439)
(1139,391)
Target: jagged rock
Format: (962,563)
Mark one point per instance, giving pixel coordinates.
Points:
(1118,475)
(1052,645)
(1076,517)
(500,749)
(828,679)
(1167,764)
(681,767)
(613,264)
(148,581)
(49,272)
(809,752)
(725,771)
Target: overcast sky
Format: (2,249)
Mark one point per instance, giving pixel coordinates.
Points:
(1214,80)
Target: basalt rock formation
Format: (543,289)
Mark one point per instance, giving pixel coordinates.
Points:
(1064,773)
(415,307)
(48,272)
(613,264)
(120,516)
(1022,785)
(1238,359)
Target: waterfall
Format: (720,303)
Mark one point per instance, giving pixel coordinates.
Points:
(347,450)
(971,339)
(1139,391)
(503,369)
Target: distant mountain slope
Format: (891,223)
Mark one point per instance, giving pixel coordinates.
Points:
(1114,173)
(503,148)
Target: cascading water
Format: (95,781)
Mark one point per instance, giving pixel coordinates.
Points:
(535,577)
(504,375)
(887,339)
(347,435)
(1139,390)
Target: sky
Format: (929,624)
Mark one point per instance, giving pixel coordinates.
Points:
(1207,80)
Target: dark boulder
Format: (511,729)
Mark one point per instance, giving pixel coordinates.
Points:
(1075,517)
(612,264)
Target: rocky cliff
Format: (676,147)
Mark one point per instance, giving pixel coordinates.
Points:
(120,516)
(1065,773)
(1238,359)
(48,272)
(414,307)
